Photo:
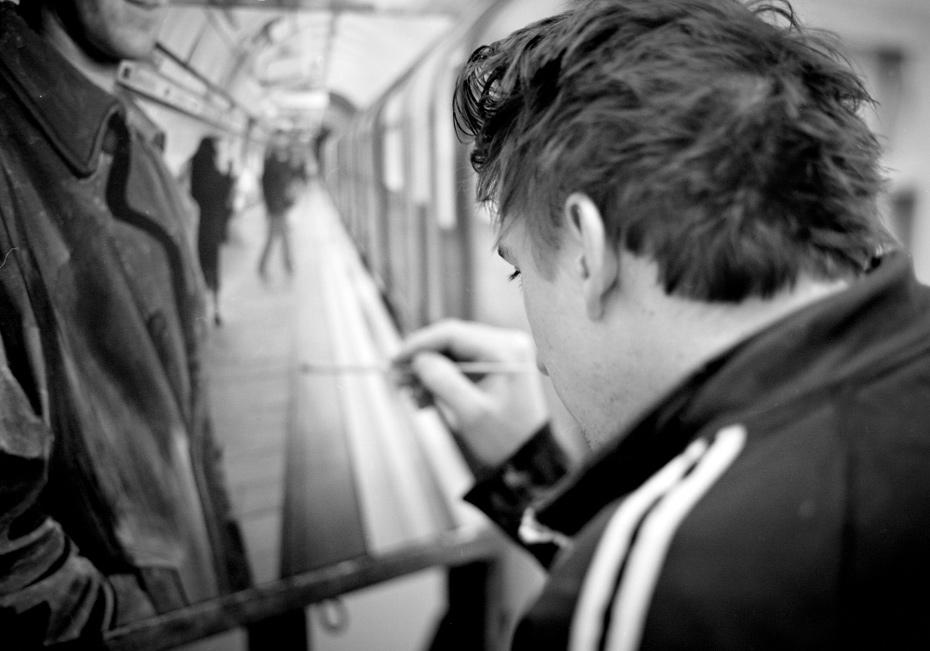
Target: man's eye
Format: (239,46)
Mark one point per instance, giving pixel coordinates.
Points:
(514,275)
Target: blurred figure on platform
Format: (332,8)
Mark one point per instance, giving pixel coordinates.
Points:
(212,189)
(279,189)
(319,142)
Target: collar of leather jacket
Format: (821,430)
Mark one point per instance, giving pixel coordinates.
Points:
(72,112)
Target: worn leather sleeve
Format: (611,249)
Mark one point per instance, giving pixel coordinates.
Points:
(505,492)
(48,592)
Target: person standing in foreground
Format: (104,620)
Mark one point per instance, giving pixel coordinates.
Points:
(114,506)
(688,194)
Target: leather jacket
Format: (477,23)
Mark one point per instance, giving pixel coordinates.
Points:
(113,500)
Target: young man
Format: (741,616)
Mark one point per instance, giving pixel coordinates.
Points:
(688,194)
(113,506)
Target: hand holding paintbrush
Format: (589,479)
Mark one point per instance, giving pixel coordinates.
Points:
(482,379)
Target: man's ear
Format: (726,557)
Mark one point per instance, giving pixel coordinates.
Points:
(598,263)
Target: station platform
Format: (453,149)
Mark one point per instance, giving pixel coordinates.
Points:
(339,484)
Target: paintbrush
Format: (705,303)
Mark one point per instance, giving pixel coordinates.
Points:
(471,368)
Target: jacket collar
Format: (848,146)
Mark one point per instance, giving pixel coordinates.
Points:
(71,111)
(876,323)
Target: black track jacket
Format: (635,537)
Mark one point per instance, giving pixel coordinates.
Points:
(779,499)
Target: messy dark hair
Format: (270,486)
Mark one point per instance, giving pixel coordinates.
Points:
(720,139)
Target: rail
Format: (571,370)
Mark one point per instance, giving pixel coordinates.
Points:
(250,607)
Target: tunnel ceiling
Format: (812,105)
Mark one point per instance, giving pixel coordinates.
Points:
(279,60)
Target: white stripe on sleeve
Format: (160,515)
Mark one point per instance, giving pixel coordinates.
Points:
(656,509)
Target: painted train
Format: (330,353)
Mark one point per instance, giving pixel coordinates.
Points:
(404,187)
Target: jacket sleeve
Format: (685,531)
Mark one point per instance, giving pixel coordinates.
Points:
(48,592)
(504,493)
